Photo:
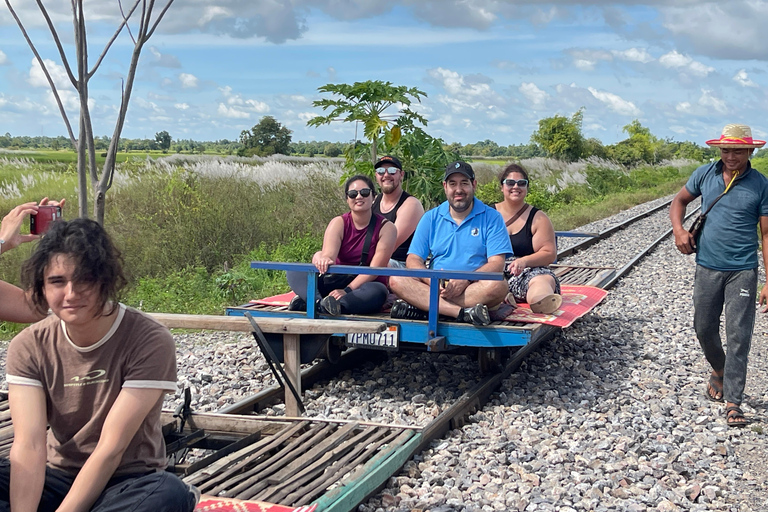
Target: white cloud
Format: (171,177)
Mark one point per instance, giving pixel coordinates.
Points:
(633,55)
(232,112)
(742,79)
(236,100)
(181,106)
(586,60)
(679,61)
(533,94)
(707,99)
(306,116)
(56,71)
(188,81)
(684,107)
(3,58)
(163,60)
(615,102)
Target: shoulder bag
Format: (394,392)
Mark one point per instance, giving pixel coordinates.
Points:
(326,283)
(698,224)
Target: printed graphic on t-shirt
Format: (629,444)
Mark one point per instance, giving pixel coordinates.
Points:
(92,377)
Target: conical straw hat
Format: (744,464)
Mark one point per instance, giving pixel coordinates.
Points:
(736,136)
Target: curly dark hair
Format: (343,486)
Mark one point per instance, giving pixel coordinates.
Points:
(97,261)
(510,169)
(359,177)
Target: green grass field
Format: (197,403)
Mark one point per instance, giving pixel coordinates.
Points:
(189,231)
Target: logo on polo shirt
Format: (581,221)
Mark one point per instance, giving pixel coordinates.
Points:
(92,377)
(475,231)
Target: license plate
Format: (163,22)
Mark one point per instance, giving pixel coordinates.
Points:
(387,339)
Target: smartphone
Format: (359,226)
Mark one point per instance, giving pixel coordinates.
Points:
(46,215)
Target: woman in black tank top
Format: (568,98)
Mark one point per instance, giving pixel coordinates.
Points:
(533,244)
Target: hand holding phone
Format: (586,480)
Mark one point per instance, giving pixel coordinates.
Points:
(46,215)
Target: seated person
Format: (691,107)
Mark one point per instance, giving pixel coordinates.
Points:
(533,243)
(397,206)
(13,305)
(460,234)
(357,237)
(95,372)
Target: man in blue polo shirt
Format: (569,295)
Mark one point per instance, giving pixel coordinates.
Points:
(460,234)
(726,260)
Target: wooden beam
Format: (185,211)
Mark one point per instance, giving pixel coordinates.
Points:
(292,366)
(272,325)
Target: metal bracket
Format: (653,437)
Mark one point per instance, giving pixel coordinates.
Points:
(184,410)
(272,360)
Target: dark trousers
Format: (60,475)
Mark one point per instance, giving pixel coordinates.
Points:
(735,292)
(367,299)
(150,492)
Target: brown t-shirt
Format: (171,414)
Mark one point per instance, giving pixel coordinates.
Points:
(81,384)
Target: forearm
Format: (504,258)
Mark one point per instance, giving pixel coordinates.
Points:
(492,266)
(27,477)
(677,215)
(91,481)
(540,258)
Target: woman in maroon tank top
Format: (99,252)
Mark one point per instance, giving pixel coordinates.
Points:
(533,244)
(343,244)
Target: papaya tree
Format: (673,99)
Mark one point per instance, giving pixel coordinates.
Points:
(366,103)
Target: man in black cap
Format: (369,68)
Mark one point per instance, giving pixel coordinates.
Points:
(397,206)
(460,234)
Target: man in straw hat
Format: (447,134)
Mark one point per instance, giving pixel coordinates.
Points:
(726,260)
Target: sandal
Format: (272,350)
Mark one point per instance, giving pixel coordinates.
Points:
(714,391)
(735,417)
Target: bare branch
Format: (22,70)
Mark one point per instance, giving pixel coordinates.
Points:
(125,18)
(159,18)
(56,39)
(46,73)
(124,23)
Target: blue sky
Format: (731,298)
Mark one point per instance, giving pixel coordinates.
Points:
(491,68)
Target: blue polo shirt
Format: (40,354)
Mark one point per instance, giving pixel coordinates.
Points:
(465,246)
(729,239)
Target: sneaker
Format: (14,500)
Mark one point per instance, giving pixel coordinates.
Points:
(297,304)
(405,311)
(477,315)
(330,305)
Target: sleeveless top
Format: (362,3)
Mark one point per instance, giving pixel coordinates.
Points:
(352,242)
(522,241)
(401,252)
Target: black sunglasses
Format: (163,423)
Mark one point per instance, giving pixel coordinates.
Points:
(511,183)
(352,194)
(391,170)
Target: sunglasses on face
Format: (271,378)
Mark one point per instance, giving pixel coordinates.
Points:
(391,170)
(352,194)
(520,183)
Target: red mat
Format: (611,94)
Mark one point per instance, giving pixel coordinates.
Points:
(577,302)
(276,300)
(214,504)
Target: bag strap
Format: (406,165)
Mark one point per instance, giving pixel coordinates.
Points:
(368,239)
(732,182)
(517,215)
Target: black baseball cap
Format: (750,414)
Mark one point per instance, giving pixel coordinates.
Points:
(388,160)
(461,167)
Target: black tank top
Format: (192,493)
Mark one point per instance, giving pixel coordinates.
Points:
(401,253)
(522,241)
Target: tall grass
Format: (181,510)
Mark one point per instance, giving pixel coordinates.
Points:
(189,226)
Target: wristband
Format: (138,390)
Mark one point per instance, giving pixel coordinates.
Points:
(347,290)
(1,245)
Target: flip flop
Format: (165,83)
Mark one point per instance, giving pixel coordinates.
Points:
(547,305)
(734,416)
(714,387)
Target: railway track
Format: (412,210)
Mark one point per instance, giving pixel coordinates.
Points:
(335,463)
(405,441)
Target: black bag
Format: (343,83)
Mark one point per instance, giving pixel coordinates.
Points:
(326,283)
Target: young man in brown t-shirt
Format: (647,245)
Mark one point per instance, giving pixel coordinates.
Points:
(95,372)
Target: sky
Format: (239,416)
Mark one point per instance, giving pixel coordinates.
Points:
(491,69)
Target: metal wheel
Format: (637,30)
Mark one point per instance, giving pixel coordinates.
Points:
(490,360)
